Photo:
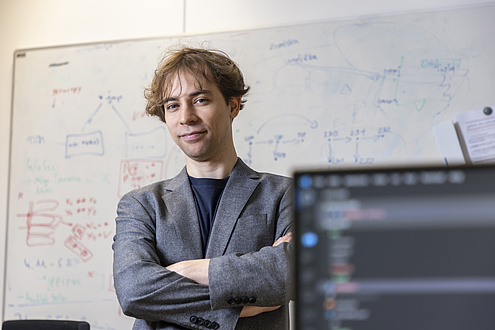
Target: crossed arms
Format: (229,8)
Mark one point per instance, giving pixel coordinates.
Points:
(153,284)
(197,270)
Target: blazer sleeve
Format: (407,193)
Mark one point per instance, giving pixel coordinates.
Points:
(260,278)
(146,289)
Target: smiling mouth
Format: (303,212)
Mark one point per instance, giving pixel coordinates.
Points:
(192,135)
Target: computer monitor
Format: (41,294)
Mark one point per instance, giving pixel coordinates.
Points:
(395,249)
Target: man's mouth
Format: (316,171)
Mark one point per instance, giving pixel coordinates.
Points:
(190,136)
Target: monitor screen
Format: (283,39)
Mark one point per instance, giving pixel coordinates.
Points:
(395,249)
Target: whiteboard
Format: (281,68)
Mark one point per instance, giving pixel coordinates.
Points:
(360,92)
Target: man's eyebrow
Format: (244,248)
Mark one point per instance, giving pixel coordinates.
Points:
(193,94)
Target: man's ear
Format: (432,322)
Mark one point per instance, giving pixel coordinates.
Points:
(235,106)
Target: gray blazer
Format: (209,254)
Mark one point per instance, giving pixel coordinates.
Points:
(158,225)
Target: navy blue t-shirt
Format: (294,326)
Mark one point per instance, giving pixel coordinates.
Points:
(207,193)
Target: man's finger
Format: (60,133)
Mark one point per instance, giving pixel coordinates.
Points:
(284,239)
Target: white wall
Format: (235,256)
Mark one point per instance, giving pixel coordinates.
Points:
(42,23)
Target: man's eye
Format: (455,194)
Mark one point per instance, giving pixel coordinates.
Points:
(201,100)
(171,106)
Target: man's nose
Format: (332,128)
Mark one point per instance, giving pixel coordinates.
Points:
(188,114)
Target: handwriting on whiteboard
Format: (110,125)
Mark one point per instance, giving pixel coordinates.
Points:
(76,219)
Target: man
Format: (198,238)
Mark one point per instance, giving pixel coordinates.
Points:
(210,248)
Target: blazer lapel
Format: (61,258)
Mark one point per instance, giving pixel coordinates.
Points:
(241,185)
(181,211)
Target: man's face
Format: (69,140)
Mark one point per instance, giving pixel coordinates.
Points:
(199,119)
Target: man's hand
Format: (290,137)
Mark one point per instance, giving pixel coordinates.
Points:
(196,270)
(248,311)
(284,239)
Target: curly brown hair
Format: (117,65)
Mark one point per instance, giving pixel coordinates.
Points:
(214,65)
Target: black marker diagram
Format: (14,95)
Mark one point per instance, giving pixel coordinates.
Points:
(149,144)
(143,151)
(362,99)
